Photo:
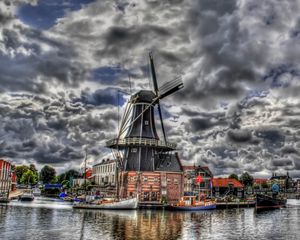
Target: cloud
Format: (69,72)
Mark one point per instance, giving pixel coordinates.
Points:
(60,84)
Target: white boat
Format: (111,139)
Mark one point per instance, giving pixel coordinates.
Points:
(27,196)
(36,192)
(125,204)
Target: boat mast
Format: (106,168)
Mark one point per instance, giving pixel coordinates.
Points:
(85,173)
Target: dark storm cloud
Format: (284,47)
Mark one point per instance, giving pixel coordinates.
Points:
(282,162)
(238,59)
(239,135)
(52,133)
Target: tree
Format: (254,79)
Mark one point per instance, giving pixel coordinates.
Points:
(68,176)
(29,178)
(246,179)
(47,174)
(264,185)
(34,170)
(20,170)
(234,176)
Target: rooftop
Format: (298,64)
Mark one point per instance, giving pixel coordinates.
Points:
(224,182)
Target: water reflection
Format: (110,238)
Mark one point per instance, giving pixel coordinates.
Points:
(45,219)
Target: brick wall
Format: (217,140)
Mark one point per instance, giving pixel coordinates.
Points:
(152,185)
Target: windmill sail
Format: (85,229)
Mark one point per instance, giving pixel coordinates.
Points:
(170,87)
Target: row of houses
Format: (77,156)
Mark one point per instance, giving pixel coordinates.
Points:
(154,185)
(285,181)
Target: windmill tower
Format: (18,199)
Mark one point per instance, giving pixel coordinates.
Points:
(138,147)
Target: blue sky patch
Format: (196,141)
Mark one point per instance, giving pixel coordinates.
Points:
(45,14)
(109,75)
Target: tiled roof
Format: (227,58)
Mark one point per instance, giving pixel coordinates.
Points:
(260,180)
(224,182)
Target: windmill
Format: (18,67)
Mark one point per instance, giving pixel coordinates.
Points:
(137,146)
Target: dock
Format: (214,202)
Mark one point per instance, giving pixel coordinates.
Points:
(15,194)
(227,205)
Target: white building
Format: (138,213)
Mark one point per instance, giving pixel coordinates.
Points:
(105,173)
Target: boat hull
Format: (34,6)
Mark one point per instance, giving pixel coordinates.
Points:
(26,199)
(264,202)
(4,200)
(191,208)
(121,205)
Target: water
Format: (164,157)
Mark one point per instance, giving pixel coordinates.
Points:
(48,219)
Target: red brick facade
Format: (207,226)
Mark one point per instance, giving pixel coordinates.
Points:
(5,176)
(152,186)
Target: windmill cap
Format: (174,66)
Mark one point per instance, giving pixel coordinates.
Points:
(143,96)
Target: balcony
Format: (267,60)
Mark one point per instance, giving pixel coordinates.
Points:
(127,142)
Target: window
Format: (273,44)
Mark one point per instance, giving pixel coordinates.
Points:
(133,150)
(145,179)
(155,179)
(175,181)
(146,122)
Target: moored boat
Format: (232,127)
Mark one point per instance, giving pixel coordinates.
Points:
(189,203)
(125,204)
(265,202)
(27,196)
(36,192)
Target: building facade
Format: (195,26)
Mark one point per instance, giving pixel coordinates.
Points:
(162,185)
(105,173)
(225,187)
(87,177)
(285,182)
(5,176)
(190,184)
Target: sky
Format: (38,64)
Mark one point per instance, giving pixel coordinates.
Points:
(65,67)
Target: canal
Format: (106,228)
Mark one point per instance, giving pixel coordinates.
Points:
(52,219)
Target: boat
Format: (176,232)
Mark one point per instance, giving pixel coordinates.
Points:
(266,202)
(36,192)
(269,202)
(124,204)
(189,203)
(27,196)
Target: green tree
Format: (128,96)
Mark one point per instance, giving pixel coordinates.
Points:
(35,171)
(233,175)
(20,170)
(264,185)
(68,176)
(65,183)
(246,179)
(48,174)
(29,178)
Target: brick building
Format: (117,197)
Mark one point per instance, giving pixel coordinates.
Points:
(190,185)
(6,174)
(163,184)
